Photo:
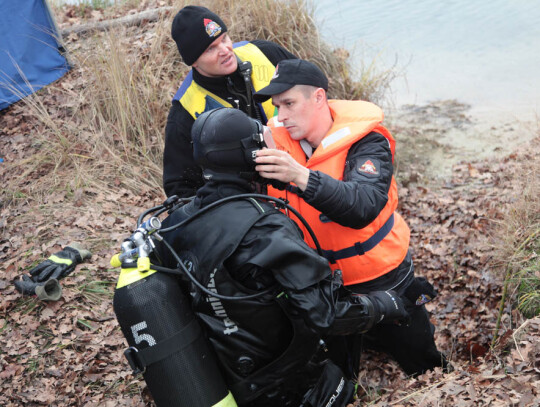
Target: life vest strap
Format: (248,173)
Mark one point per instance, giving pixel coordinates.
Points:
(359,248)
(293,189)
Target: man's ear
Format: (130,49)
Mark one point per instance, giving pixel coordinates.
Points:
(320,96)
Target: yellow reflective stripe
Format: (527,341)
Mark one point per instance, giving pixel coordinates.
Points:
(226,402)
(194,100)
(60,260)
(131,275)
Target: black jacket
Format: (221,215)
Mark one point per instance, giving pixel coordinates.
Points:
(357,200)
(181,176)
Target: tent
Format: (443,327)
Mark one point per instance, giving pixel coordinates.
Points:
(31,55)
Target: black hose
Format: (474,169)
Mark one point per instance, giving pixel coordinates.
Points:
(162,208)
(202,287)
(246,196)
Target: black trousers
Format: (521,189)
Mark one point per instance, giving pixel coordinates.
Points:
(413,345)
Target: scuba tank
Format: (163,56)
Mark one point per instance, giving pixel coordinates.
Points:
(166,342)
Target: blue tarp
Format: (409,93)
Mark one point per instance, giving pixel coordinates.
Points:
(30,56)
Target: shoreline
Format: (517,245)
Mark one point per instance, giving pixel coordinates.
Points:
(435,136)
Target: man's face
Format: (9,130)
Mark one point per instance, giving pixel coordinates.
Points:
(297,111)
(218,59)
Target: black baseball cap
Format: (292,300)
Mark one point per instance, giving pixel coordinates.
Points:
(292,72)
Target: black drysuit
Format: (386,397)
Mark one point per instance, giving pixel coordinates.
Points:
(268,347)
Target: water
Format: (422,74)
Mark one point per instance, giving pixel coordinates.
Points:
(485,52)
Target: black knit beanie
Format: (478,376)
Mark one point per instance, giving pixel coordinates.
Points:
(194,28)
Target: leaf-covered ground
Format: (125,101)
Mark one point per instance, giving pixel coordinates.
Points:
(69,353)
(452,231)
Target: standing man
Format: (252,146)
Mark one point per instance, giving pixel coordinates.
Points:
(339,159)
(223,74)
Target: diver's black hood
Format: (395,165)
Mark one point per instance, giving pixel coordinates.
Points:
(225,140)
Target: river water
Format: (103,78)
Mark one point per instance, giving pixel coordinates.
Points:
(483,52)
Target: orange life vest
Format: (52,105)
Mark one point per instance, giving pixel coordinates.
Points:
(361,254)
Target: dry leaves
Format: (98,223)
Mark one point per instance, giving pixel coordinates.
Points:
(69,353)
(450,239)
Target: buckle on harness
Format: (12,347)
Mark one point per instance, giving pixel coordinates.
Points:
(359,248)
(134,361)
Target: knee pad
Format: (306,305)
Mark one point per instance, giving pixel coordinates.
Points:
(332,389)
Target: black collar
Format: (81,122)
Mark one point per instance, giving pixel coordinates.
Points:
(218,85)
(222,186)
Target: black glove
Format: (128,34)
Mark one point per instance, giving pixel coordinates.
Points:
(332,388)
(60,264)
(419,292)
(389,307)
(43,279)
(49,290)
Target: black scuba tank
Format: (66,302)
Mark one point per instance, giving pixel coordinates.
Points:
(166,341)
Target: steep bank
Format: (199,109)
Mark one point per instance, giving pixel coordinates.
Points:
(69,353)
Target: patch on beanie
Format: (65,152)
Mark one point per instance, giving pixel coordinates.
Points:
(212,28)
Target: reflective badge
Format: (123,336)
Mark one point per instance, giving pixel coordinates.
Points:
(212,28)
(368,168)
(423,299)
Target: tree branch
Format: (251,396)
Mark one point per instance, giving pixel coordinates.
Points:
(135,19)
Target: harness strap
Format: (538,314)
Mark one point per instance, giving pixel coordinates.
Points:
(139,360)
(302,348)
(293,189)
(359,248)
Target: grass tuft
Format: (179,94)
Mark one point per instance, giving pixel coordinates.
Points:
(96,291)
(518,245)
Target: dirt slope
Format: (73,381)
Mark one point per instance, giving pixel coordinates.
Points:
(69,353)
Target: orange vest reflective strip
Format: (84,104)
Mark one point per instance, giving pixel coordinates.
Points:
(361,254)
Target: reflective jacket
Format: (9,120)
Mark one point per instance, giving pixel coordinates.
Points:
(197,100)
(181,175)
(362,254)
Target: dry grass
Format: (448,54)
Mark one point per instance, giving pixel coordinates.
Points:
(108,128)
(518,242)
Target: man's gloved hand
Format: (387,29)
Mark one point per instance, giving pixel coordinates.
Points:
(389,307)
(60,264)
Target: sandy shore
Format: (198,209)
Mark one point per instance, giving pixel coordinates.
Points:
(431,138)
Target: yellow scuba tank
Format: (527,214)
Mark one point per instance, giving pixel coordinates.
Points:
(166,342)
